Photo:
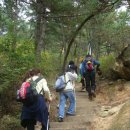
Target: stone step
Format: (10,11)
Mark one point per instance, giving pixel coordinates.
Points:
(79,118)
(81,94)
(67,124)
(84,114)
(85,111)
(81,128)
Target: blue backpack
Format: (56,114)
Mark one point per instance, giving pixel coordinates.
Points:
(60,83)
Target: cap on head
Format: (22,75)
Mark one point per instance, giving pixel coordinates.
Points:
(89,62)
(71,62)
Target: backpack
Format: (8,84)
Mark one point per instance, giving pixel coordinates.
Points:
(27,94)
(89,64)
(60,83)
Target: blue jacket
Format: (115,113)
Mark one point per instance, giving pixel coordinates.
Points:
(83,66)
(37,112)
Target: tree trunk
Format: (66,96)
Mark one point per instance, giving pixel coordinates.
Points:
(40,30)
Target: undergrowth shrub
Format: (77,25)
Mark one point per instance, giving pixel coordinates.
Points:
(10,123)
(107,62)
(12,69)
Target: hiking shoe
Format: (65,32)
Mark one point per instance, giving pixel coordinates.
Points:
(70,114)
(60,119)
(90,97)
(93,94)
(83,87)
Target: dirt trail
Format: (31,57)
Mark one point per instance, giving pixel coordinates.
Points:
(85,114)
(97,114)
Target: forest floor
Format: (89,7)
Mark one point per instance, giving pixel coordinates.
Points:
(111,98)
(104,109)
(108,111)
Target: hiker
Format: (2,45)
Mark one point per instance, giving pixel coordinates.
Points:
(72,64)
(88,71)
(35,116)
(80,72)
(68,94)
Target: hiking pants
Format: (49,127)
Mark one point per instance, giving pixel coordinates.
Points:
(38,126)
(30,127)
(90,81)
(83,82)
(63,97)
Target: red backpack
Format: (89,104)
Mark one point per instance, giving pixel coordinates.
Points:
(27,94)
(89,64)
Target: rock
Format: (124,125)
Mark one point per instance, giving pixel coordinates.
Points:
(108,111)
(121,68)
(105,108)
(104,111)
(111,83)
(104,114)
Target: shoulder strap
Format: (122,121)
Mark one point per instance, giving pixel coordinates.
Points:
(41,91)
(65,80)
(38,79)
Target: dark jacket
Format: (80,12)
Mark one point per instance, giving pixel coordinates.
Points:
(35,112)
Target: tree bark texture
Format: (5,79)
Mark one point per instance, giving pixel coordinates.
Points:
(40,30)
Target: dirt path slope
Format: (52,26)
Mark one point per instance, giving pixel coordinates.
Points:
(85,114)
(100,113)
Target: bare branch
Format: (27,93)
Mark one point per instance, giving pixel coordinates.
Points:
(25,1)
(62,16)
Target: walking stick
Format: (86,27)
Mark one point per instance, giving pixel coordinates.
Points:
(48,116)
(75,99)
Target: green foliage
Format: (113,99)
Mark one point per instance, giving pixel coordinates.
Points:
(14,64)
(51,64)
(107,63)
(9,123)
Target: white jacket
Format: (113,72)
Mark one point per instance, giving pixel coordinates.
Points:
(71,77)
(42,84)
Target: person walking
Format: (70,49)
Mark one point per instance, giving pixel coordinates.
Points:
(88,71)
(80,72)
(35,116)
(67,94)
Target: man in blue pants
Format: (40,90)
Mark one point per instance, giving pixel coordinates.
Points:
(88,72)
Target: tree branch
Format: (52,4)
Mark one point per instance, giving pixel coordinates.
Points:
(29,3)
(61,16)
(102,8)
(24,1)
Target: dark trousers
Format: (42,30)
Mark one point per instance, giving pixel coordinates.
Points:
(83,82)
(90,82)
(30,127)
